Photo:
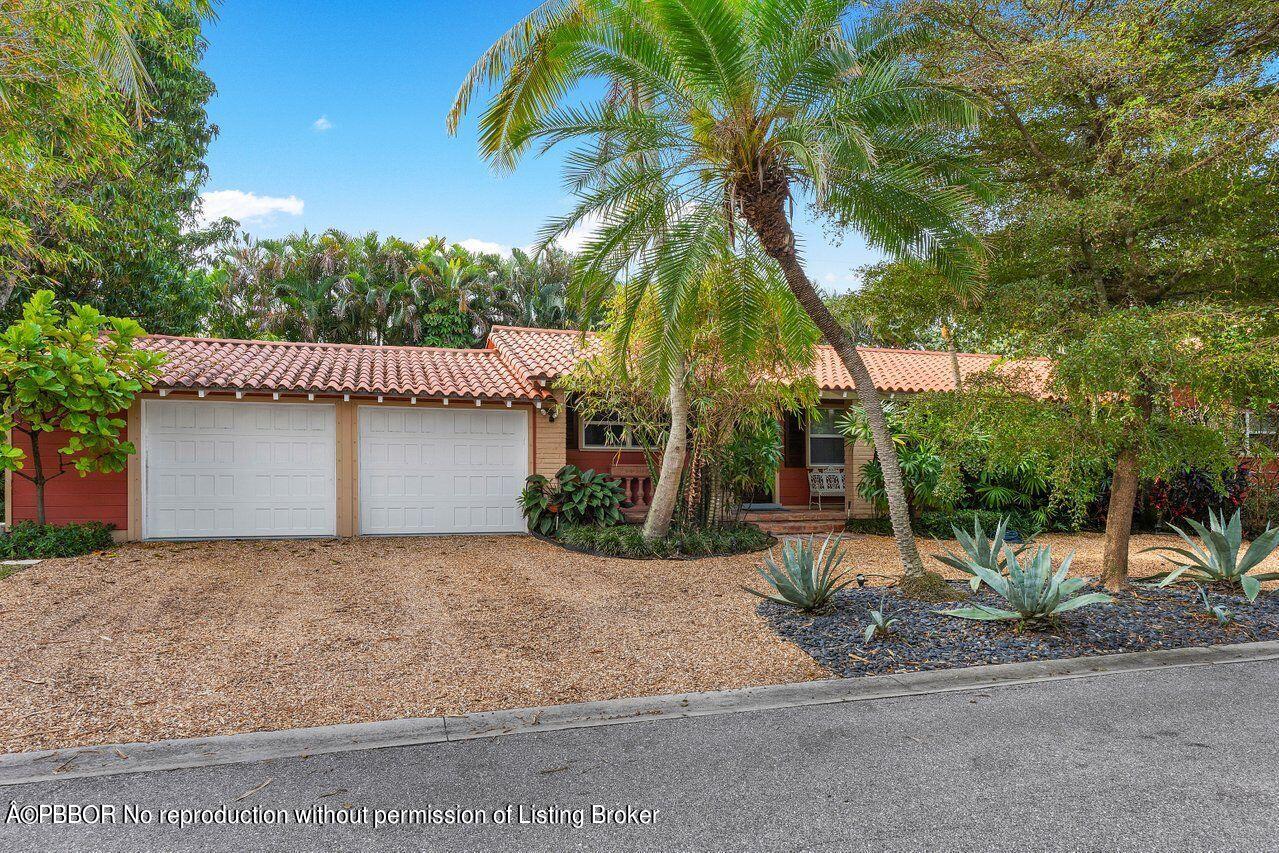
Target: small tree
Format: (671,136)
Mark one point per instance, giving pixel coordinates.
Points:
(69,371)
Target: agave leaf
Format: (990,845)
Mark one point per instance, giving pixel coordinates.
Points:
(1251,586)
(1083,601)
(1171,577)
(1266,576)
(1263,546)
(870,632)
(981,612)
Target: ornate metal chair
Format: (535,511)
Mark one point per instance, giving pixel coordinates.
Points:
(825,482)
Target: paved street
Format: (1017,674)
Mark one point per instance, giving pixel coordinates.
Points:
(1177,759)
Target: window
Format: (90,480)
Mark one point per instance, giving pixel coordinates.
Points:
(825,444)
(1261,429)
(607,434)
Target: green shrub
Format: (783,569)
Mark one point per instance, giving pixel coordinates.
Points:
(27,540)
(873,526)
(807,577)
(1034,593)
(574,497)
(627,540)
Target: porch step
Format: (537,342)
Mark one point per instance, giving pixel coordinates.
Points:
(798,522)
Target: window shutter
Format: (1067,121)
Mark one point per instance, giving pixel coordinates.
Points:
(793,439)
(570,426)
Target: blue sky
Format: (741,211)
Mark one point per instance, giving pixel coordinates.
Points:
(332,115)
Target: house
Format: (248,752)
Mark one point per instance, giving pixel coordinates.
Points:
(277,439)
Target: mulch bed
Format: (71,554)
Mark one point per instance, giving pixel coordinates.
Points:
(1138,620)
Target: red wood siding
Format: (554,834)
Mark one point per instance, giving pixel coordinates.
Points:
(793,485)
(69,499)
(603,460)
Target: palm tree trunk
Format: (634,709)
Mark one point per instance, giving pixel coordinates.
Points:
(763,200)
(666,489)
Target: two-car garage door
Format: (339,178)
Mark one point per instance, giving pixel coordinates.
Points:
(222,469)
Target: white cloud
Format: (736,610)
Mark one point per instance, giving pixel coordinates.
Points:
(577,236)
(484,246)
(321,124)
(247,207)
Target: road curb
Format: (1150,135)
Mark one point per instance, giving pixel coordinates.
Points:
(112,759)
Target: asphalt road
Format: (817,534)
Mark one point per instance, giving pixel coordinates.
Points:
(1170,760)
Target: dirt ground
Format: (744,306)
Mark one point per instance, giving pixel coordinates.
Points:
(163,640)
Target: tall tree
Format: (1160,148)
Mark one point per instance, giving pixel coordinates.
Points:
(720,114)
(1134,240)
(78,119)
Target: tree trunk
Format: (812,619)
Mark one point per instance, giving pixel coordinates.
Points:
(666,489)
(1123,500)
(37,474)
(763,202)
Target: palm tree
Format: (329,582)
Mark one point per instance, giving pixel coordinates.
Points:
(735,109)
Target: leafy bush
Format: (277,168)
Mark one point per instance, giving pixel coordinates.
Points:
(627,540)
(1215,557)
(28,540)
(807,578)
(1193,492)
(981,550)
(941,525)
(1261,506)
(873,526)
(1036,595)
(574,497)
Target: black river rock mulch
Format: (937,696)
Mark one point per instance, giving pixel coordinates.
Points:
(1138,620)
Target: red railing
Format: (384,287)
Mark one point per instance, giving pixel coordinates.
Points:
(637,487)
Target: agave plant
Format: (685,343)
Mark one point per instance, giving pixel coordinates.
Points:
(981,550)
(1036,595)
(1215,557)
(1222,614)
(880,624)
(807,577)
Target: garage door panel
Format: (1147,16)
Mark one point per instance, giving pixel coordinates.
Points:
(218,469)
(433,470)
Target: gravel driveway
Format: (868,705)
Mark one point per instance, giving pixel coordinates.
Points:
(163,640)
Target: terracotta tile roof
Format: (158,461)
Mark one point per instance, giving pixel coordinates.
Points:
(270,366)
(513,366)
(543,354)
(910,371)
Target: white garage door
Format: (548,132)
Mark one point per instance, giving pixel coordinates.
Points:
(238,469)
(437,470)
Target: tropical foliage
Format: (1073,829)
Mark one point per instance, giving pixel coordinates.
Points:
(102,139)
(1035,595)
(1134,143)
(72,371)
(1215,557)
(627,540)
(28,540)
(368,289)
(716,115)
(572,497)
(807,576)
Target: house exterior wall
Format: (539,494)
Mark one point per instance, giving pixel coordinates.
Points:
(550,448)
(116,498)
(69,498)
(856,455)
